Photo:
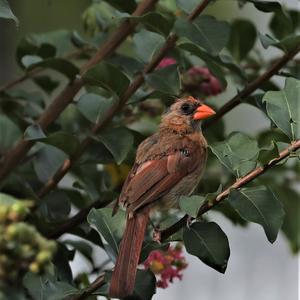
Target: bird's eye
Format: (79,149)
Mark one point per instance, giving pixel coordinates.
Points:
(186,108)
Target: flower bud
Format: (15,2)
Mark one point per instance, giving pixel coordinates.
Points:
(200,80)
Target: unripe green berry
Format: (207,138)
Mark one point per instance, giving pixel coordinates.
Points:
(43,257)
(3,213)
(34,267)
(11,232)
(18,212)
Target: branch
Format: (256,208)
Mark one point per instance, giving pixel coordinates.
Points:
(252,86)
(75,220)
(238,184)
(14,156)
(138,81)
(94,286)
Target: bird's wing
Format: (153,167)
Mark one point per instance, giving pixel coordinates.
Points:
(154,178)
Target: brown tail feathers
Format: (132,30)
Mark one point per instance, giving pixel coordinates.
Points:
(123,276)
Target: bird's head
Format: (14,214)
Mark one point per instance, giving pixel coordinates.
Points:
(185,115)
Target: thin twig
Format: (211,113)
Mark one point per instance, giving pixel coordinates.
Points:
(94,286)
(252,86)
(75,220)
(15,155)
(236,185)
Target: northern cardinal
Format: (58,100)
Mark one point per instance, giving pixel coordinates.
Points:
(168,164)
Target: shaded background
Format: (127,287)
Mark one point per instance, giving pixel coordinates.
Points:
(257,269)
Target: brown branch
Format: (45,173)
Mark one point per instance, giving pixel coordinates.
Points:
(138,81)
(252,86)
(94,286)
(238,184)
(75,220)
(14,156)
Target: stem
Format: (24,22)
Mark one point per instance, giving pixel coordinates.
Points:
(75,220)
(14,156)
(236,185)
(96,284)
(252,86)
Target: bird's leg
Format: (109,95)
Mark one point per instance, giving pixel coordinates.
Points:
(156,236)
(189,221)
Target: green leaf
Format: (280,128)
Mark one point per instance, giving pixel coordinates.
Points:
(291,224)
(118,141)
(47,287)
(191,204)
(266,154)
(281,25)
(209,243)
(6,12)
(9,133)
(206,32)
(30,60)
(212,62)
(145,285)
(259,205)
(165,80)
(46,83)
(238,153)
(47,161)
(108,227)
(266,6)
(34,132)
(83,247)
(94,106)
(58,39)
(283,108)
(148,247)
(58,64)
(7,199)
(154,21)
(187,5)
(66,142)
(56,206)
(146,43)
(108,77)
(127,6)
(238,45)
(286,44)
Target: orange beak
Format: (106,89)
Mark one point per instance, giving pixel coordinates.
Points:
(203,112)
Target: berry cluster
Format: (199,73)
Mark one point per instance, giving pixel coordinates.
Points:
(166,265)
(22,248)
(196,80)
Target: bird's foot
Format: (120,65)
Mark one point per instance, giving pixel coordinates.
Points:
(189,221)
(156,236)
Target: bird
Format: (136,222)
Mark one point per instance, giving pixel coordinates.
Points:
(168,165)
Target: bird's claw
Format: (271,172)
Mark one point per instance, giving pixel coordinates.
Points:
(189,221)
(156,237)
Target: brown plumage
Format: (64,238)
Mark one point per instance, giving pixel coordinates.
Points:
(168,164)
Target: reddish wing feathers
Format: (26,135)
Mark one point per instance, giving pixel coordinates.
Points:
(154,178)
